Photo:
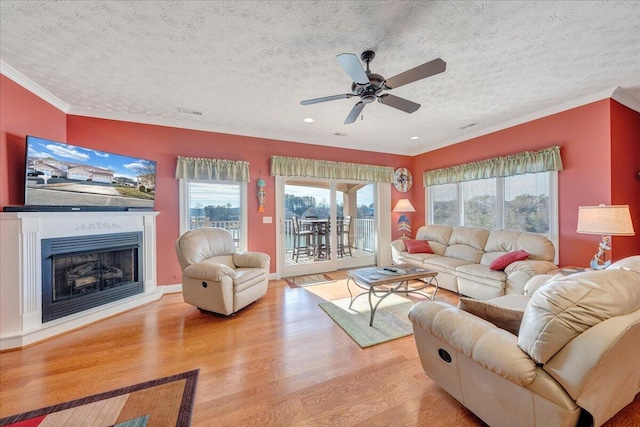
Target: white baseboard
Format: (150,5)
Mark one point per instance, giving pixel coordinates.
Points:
(171,289)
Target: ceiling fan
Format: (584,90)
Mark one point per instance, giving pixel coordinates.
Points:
(369,86)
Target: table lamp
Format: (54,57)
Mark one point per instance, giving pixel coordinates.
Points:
(404,225)
(607,221)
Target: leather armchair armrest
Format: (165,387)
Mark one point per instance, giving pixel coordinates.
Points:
(397,246)
(208,270)
(493,348)
(251,260)
(520,272)
(608,360)
(530,266)
(537,281)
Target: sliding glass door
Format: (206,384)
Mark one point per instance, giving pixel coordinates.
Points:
(325,225)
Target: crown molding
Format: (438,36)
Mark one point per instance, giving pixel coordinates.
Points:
(147,120)
(618,94)
(579,102)
(624,98)
(15,75)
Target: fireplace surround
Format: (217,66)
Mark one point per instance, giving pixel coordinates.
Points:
(27,239)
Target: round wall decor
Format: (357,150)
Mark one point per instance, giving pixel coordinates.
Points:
(402,179)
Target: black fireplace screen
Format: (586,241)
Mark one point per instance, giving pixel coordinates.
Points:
(83,272)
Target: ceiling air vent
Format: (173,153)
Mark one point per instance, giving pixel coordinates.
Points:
(468,126)
(188,111)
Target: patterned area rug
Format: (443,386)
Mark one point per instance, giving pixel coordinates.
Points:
(390,322)
(163,402)
(309,280)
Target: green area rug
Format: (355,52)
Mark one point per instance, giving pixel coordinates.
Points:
(390,322)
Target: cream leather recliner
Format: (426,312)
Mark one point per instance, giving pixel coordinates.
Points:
(217,278)
(576,352)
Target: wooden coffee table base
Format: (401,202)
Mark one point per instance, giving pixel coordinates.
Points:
(380,283)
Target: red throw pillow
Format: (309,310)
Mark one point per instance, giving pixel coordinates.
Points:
(503,261)
(418,246)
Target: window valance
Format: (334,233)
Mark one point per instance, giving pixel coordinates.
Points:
(291,166)
(544,160)
(212,169)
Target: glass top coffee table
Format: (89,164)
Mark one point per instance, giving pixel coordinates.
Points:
(380,282)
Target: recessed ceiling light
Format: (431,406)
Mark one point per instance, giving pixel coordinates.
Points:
(308,120)
(415,137)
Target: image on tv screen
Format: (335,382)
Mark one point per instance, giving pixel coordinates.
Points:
(59,174)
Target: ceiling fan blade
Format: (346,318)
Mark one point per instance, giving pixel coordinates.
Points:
(353,67)
(326,98)
(355,112)
(399,103)
(420,72)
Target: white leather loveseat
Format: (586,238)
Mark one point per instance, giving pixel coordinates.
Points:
(462,256)
(574,356)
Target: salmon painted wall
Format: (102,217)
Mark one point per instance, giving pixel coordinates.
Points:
(22,113)
(625,170)
(164,144)
(584,136)
(600,149)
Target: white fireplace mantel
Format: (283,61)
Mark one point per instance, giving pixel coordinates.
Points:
(21,235)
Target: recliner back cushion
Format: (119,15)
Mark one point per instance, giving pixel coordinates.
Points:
(437,235)
(202,243)
(562,309)
(631,263)
(502,241)
(467,243)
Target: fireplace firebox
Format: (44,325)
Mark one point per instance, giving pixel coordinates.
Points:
(82,272)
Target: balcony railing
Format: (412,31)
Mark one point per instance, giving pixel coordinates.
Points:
(232,226)
(363,236)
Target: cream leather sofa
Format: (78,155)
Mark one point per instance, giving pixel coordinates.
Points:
(576,352)
(217,278)
(462,256)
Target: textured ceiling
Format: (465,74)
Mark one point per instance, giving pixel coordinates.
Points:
(246,65)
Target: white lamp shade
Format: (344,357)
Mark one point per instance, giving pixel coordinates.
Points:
(403,205)
(605,220)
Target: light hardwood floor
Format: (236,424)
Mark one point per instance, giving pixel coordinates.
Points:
(281,362)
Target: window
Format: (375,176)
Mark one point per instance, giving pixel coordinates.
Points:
(526,203)
(479,203)
(214,204)
(444,204)
(521,202)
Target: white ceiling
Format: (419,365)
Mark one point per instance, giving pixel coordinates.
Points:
(246,65)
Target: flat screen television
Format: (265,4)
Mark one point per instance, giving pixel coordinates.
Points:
(72,178)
